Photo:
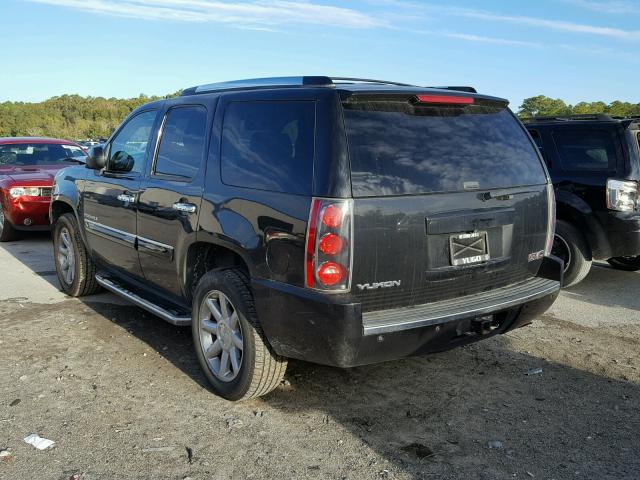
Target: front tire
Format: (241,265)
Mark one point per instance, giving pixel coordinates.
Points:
(572,248)
(628,264)
(7,232)
(230,345)
(75,268)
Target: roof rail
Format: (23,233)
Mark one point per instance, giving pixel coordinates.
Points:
(317,81)
(368,80)
(568,118)
(460,88)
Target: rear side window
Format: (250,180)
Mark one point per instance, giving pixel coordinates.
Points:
(269,145)
(401,149)
(586,150)
(182,145)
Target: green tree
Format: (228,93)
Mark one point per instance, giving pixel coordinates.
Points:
(543,106)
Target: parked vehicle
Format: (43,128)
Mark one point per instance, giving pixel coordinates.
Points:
(338,221)
(27,168)
(594,161)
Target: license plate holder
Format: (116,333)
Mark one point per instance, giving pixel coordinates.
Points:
(468,248)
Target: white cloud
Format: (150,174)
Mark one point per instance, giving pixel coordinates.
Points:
(613,6)
(483,39)
(253,13)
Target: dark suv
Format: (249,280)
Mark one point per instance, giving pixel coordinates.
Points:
(594,161)
(338,221)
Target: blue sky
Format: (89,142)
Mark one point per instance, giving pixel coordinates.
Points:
(572,49)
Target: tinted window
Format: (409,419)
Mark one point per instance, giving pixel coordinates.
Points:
(39,154)
(128,148)
(397,149)
(536,138)
(182,144)
(269,145)
(586,149)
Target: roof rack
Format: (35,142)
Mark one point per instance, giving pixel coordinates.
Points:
(460,88)
(568,118)
(310,81)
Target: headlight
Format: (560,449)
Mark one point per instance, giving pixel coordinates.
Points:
(622,195)
(24,192)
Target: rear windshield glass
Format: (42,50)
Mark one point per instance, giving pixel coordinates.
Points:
(39,154)
(401,149)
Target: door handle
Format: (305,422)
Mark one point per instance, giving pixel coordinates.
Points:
(126,198)
(184,207)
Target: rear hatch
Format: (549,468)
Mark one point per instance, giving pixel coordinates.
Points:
(450,198)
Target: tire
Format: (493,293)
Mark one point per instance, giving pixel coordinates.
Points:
(7,232)
(570,245)
(249,372)
(628,264)
(75,268)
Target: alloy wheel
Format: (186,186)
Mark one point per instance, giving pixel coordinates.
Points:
(66,256)
(1,219)
(221,337)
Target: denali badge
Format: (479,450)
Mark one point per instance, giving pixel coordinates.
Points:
(376,285)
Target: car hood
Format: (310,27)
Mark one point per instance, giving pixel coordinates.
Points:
(31,173)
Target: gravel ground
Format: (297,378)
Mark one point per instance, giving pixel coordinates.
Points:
(121,394)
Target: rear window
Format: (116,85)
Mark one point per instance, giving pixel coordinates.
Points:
(401,149)
(269,145)
(586,150)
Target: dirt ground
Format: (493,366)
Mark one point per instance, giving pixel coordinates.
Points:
(121,394)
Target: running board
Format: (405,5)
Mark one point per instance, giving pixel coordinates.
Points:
(171,317)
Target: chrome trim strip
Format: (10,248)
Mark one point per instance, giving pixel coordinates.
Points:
(156,248)
(142,303)
(387,321)
(110,232)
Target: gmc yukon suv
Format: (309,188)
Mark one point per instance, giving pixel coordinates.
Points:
(338,221)
(594,161)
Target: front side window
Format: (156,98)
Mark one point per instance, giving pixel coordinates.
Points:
(128,148)
(39,154)
(584,150)
(183,141)
(269,145)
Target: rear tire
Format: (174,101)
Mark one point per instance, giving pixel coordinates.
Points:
(628,264)
(225,324)
(7,232)
(571,246)
(75,268)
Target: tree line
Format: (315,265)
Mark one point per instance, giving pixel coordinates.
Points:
(76,117)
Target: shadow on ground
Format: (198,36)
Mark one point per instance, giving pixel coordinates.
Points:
(468,413)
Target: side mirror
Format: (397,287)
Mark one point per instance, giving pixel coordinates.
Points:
(96,160)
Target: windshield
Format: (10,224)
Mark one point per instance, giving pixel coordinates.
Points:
(397,148)
(20,154)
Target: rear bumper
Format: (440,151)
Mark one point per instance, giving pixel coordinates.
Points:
(332,330)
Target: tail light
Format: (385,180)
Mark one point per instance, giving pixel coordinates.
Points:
(622,195)
(329,245)
(551,219)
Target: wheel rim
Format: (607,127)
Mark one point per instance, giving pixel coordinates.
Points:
(221,337)
(561,250)
(1,219)
(66,257)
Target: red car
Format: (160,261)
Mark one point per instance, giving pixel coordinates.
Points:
(27,168)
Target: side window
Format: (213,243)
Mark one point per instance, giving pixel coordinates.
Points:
(182,144)
(269,145)
(586,150)
(128,148)
(536,138)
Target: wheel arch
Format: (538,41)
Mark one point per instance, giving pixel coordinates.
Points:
(578,213)
(204,256)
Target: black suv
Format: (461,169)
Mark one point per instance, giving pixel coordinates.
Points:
(338,221)
(594,161)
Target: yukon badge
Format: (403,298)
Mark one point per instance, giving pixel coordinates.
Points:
(376,285)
